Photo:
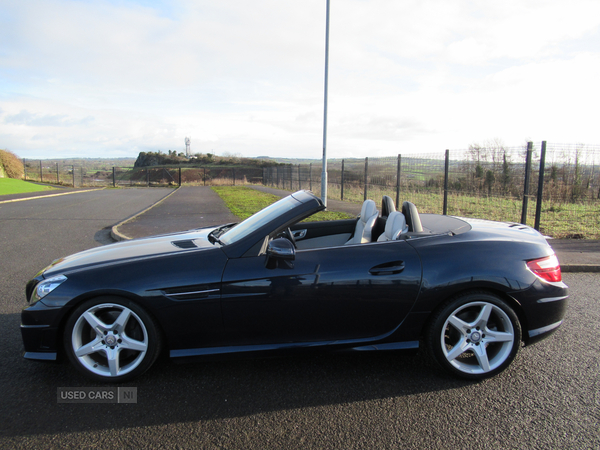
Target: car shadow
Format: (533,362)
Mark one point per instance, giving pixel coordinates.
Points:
(176,393)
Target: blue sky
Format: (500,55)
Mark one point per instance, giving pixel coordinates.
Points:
(113,78)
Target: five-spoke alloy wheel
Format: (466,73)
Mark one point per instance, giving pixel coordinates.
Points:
(111,340)
(475,336)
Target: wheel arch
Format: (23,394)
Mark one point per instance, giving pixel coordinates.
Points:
(114,294)
(511,301)
(481,361)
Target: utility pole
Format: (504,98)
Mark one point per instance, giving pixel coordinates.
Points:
(324,172)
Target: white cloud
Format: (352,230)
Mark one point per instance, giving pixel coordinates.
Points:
(419,75)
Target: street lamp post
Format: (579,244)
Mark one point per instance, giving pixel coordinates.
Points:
(324,172)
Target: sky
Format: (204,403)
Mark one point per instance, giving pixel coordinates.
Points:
(112,78)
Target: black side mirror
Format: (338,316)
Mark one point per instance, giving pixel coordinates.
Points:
(280,249)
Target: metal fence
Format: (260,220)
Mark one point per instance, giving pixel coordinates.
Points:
(70,175)
(555,188)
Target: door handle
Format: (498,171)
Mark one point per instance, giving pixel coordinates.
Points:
(299,234)
(388,268)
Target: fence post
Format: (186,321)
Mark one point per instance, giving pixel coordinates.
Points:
(299,179)
(540,191)
(310,176)
(291,178)
(526,186)
(73,166)
(233,173)
(366,175)
(114,177)
(446,176)
(57,175)
(398,174)
(342,194)
(41,172)
(204,177)
(24,170)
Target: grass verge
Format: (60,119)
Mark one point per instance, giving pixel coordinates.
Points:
(13,186)
(244,201)
(559,220)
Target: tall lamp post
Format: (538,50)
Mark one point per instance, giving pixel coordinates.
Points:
(324,172)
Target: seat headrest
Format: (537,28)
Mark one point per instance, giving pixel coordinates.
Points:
(368,210)
(395,226)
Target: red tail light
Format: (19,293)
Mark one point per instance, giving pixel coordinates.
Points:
(547,269)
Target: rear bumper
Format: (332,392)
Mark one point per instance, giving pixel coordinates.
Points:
(541,333)
(545,306)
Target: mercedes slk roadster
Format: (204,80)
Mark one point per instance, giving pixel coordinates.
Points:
(470,292)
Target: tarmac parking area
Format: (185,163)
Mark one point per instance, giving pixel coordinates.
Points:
(549,397)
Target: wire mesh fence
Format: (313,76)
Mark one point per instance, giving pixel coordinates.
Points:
(555,188)
(70,175)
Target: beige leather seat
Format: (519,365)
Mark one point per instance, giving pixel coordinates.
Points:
(394,227)
(364,225)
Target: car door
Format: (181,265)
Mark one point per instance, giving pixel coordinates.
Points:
(345,292)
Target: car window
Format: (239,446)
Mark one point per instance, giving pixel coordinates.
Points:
(257,220)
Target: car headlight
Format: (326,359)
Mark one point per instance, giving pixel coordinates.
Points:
(46,286)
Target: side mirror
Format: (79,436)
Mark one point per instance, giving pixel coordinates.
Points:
(282,249)
(280,254)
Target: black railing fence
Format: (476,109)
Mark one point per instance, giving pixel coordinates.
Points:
(553,187)
(70,175)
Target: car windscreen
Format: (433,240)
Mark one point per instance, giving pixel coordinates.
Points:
(258,220)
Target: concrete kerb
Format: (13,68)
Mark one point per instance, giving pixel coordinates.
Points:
(573,268)
(566,267)
(118,236)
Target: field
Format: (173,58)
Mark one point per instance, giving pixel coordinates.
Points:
(244,201)
(13,186)
(558,220)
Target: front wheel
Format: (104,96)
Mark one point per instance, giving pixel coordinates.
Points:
(474,336)
(111,340)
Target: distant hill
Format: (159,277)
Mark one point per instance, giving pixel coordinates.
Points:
(149,159)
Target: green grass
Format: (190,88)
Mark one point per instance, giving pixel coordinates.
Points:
(559,220)
(243,201)
(12,186)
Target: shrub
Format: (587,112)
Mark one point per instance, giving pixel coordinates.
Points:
(13,167)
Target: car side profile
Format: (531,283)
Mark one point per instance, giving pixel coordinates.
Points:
(469,291)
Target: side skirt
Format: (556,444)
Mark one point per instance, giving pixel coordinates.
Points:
(276,349)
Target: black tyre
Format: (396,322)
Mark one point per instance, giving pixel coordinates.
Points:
(476,335)
(111,340)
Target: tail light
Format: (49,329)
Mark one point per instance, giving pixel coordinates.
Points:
(548,268)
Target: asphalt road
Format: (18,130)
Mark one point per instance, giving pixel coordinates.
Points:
(548,398)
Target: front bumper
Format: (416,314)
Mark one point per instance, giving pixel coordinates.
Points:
(40,331)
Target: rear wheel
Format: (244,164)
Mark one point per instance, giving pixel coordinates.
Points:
(111,339)
(476,335)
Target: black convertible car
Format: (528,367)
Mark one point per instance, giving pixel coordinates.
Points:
(468,290)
